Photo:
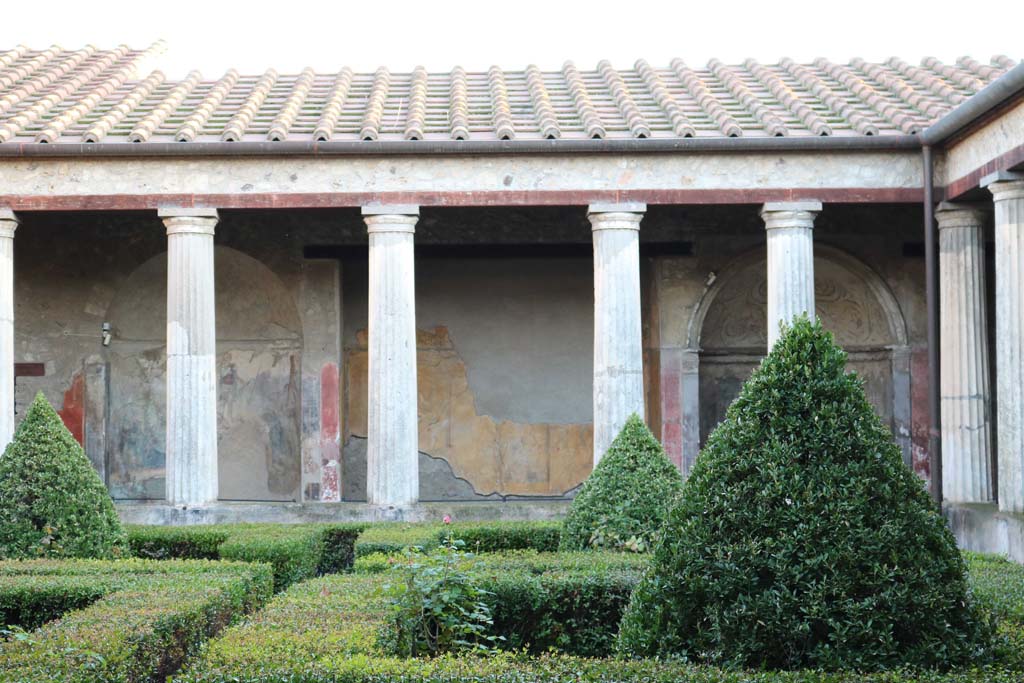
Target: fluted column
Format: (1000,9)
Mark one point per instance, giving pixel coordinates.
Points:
(191,357)
(618,345)
(8,224)
(392,449)
(1008,197)
(966,419)
(790,227)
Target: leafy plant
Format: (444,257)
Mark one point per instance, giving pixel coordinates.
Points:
(801,540)
(52,502)
(625,500)
(436,605)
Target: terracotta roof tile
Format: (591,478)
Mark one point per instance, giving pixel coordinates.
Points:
(91,95)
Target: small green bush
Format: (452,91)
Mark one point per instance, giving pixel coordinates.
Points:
(801,540)
(624,501)
(435,604)
(52,502)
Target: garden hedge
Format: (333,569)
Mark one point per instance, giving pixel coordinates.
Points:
(127,621)
(302,551)
(296,551)
(325,631)
(623,503)
(801,539)
(478,536)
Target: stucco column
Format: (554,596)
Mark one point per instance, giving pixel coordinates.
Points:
(618,347)
(8,224)
(790,227)
(392,448)
(191,357)
(1009,209)
(964,370)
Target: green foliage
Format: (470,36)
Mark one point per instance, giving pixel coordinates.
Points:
(802,540)
(574,610)
(391,538)
(489,537)
(129,621)
(325,631)
(296,551)
(623,502)
(52,502)
(200,542)
(435,604)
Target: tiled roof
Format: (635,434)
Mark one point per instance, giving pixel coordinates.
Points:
(92,95)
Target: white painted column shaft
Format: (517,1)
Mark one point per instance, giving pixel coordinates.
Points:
(618,345)
(8,224)
(966,419)
(392,449)
(790,227)
(191,357)
(1009,247)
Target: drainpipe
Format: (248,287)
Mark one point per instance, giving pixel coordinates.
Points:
(932,293)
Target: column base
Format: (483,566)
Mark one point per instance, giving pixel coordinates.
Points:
(224,512)
(983,528)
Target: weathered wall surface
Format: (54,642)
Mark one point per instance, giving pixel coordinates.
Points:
(698,380)
(504,309)
(505,358)
(1002,136)
(77,271)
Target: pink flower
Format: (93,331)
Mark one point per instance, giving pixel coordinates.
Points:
(447,519)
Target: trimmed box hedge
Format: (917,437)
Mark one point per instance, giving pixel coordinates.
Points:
(124,621)
(296,551)
(325,631)
(481,537)
(302,551)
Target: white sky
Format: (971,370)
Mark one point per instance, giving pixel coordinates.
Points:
(213,35)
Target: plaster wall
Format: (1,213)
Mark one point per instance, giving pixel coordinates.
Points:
(505,325)
(505,359)
(1002,135)
(448,179)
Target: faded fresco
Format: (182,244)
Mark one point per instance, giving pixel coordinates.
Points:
(479,455)
(259,354)
(734,335)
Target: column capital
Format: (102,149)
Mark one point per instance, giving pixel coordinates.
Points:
(196,220)
(1004,185)
(624,216)
(8,222)
(391,222)
(790,214)
(961,215)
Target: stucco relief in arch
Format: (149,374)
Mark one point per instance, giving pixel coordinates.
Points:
(259,353)
(850,299)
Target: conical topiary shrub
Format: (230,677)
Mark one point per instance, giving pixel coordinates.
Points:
(624,501)
(801,540)
(52,502)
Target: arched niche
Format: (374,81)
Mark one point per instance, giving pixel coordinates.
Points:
(259,351)
(729,327)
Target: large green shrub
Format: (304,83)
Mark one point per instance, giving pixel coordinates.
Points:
(624,501)
(52,502)
(802,540)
